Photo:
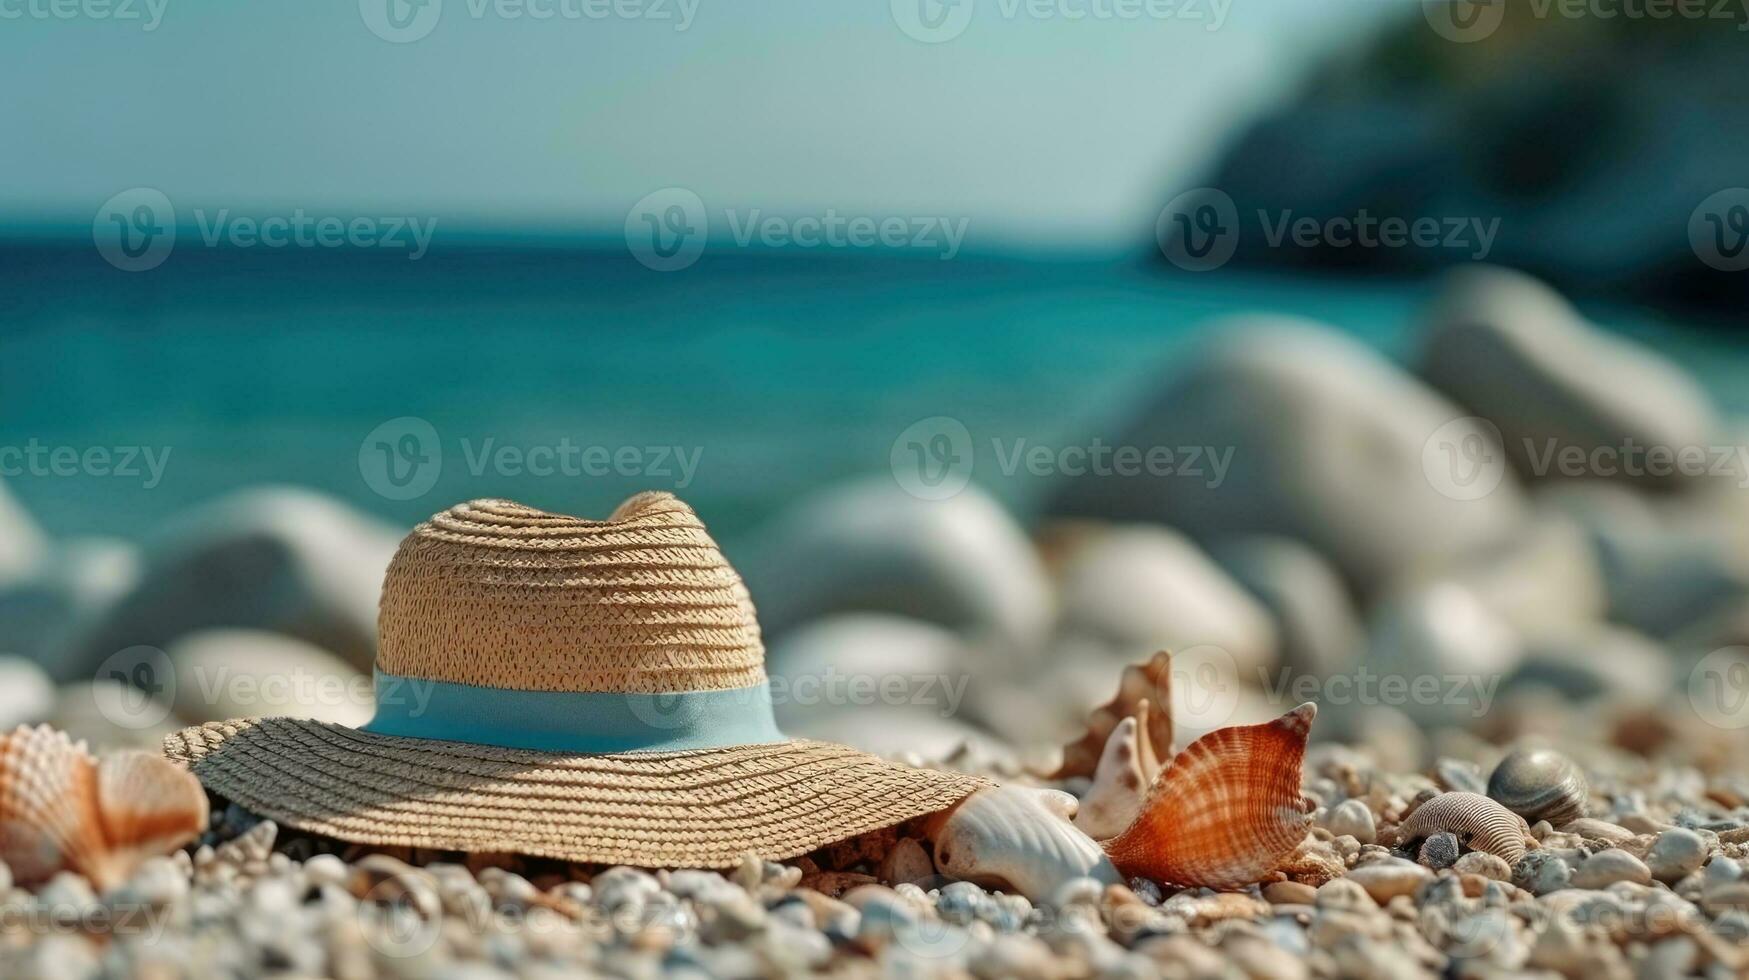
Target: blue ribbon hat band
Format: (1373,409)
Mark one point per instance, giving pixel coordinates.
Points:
(582,722)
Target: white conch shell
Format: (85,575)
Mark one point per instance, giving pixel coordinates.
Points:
(1017,837)
(61,809)
(1119,784)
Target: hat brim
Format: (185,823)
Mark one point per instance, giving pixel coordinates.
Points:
(704,808)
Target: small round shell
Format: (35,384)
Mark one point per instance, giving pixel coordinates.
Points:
(1539,784)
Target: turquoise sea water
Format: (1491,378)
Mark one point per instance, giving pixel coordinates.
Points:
(778,372)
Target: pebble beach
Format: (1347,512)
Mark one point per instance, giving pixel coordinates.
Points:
(1508,572)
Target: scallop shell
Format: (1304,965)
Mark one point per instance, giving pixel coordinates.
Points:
(1479,822)
(1017,837)
(1539,784)
(1227,811)
(1143,694)
(1119,784)
(61,809)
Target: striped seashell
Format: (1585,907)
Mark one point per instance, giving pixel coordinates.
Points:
(1145,694)
(1480,823)
(1227,811)
(1017,837)
(63,810)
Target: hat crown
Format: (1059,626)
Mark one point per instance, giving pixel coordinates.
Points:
(494,593)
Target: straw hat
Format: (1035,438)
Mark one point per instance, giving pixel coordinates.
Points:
(593,691)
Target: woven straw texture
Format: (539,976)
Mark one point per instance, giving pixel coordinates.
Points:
(496,594)
(679,809)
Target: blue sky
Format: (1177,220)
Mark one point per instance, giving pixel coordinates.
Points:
(1037,127)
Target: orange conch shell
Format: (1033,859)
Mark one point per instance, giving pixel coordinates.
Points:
(1145,694)
(1227,811)
(63,810)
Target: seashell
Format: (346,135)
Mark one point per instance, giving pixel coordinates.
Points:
(1227,811)
(1017,837)
(1539,784)
(1479,822)
(1118,785)
(61,809)
(1143,694)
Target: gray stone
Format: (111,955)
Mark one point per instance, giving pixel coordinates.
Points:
(1605,868)
(1353,818)
(225,673)
(1675,854)
(1318,629)
(1309,416)
(27,695)
(1439,851)
(869,546)
(277,559)
(1541,873)
(43,612)
(1544,579)
(1596,663)
(1440,631)
(1141,589)
(1513,351)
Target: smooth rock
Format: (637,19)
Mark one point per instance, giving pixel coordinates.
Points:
(225,673)
(110,714)
(906,862)
(1595,663)
(1605,868)
(1541,873)
(1289,893)
(1440,851)
(894,730)
(1318,629)
(823,670)
(1544,579)
(1485,864)
(1592,828)
(279,559)
(27,695)
(1437,632)
(1141,589)
(870,546)
(1353,818)
(1309,415)
(1512,350)
(22,542)
(1675,854)
(1385,880)
(43,613)
(1667,584)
